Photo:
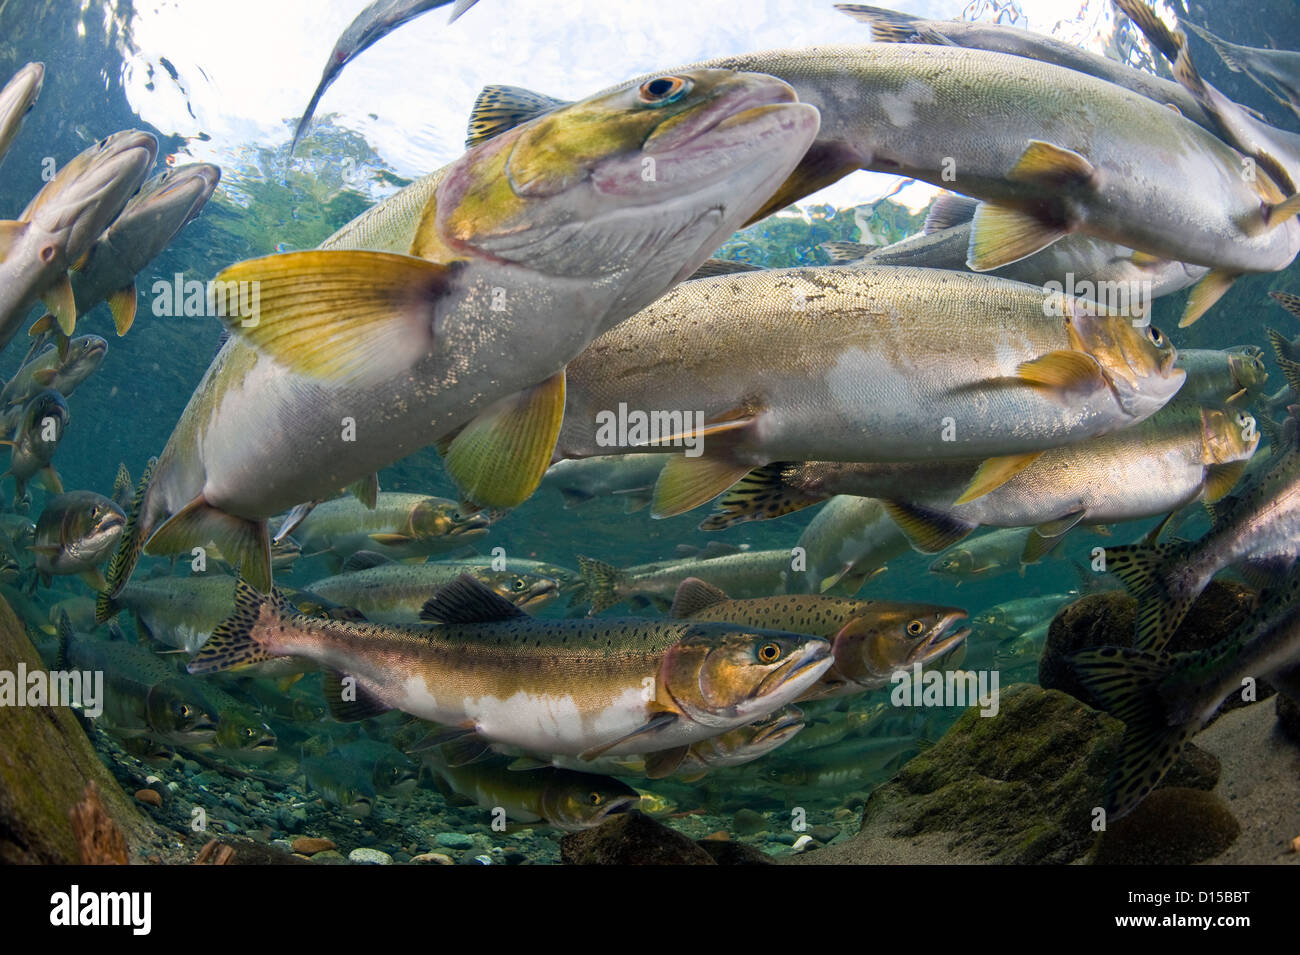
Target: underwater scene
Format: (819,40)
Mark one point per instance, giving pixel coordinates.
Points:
(707,432)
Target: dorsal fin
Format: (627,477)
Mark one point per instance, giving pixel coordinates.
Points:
(465,600)
(499,108)
(694,595)
(949,209)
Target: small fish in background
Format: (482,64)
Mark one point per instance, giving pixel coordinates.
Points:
(144,696)
(1277,71)
(870,639)
(75,534)
(630,477)
(568,800)
(61,223)
(736,747)
(40,428)
(850,541)
(63,369)
(371,25)
(987,555)
(392,773)
(144,228)
(745,573)
(398,526)
(17,99)
(384,591)
(340,782)
(1165,698)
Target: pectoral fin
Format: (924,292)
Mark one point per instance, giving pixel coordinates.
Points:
(1064,371)
(10,232)
(1220,479)
(122,304)
(1205,293)
(1050,165)
(62,303)
(664,762)
(660,721)
(355,316)
(246,544)
(994,472)
(348,701)
(1058,526)
(498,459)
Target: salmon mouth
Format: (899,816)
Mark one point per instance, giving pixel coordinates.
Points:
(942,639)
(814,656)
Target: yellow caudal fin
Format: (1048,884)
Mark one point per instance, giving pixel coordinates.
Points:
(246,544)
(1002,234)
(995,472)
(122,304)
(1205,293)
(686,483)
(359,317)
(62,303)
(498,459)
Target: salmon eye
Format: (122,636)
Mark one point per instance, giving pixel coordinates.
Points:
(663,90)
(1156,337)
(769,653)
(593,798)
(517,584)
(915,627)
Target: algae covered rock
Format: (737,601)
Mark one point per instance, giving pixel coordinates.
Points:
(1170,827)
(46,765)
(631,838)
(1107,619)
(1018,787)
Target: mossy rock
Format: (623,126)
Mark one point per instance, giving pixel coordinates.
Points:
(46,764)
(1018,787)
(631,838)
(1170,827)
(1107,619)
